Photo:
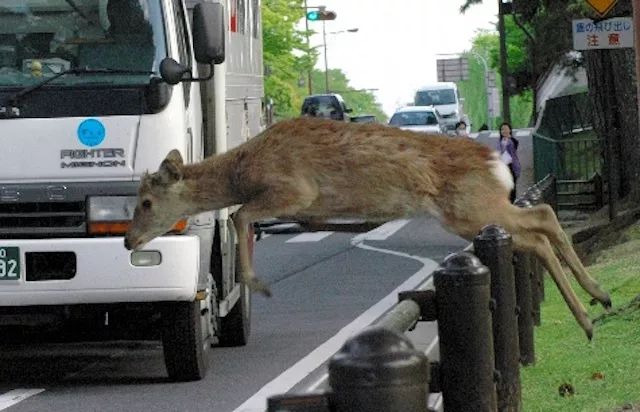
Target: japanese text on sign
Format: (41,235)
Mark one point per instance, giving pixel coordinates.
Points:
(615,33)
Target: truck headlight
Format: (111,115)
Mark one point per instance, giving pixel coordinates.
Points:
(112,215)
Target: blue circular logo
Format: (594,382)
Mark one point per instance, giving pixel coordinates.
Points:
(91,132)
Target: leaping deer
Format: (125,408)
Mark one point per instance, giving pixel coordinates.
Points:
(316,169)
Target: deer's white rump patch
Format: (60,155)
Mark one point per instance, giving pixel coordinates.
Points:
(501,171)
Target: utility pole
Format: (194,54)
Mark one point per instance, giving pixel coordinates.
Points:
(306,26)
(323,14)
(504,70)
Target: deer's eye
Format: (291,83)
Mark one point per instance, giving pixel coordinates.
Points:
(146,204)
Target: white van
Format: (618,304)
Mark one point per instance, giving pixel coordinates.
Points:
(444,96)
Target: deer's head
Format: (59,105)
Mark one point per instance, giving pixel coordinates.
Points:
(159,203)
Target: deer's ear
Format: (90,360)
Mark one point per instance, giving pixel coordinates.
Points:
(175,157)
(171,168)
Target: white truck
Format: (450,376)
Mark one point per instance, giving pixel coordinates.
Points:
(93,94)
(445,97)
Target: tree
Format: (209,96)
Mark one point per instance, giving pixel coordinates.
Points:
(611,75)
(286,56)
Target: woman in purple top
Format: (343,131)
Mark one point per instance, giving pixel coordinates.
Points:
(508,148)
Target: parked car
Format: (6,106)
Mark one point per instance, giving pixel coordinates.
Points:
(364,118)
(418,118)
(330,106)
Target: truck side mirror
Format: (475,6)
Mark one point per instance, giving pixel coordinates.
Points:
(171,71)
(208,33)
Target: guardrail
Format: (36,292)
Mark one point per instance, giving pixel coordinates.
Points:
(485,303)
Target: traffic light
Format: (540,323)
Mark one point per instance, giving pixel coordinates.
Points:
(316,15)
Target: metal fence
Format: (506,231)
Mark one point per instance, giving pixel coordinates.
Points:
(565,145)
(486,305)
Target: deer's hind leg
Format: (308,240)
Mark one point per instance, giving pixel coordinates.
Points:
(540,245)
(270,203)
(542,219)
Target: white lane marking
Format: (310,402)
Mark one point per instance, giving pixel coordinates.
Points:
(382,232)
(289,378)
(309,237)
(432,346)
(317,383)
(17,395)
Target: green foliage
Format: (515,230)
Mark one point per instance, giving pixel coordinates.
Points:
(486,44)
(529,57)
(285,52)
(287,60)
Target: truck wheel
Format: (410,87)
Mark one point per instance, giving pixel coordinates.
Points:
(184,341)
(235,328)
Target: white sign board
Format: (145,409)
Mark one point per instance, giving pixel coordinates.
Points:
(614,33)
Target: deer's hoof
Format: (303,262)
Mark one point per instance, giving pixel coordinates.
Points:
(605,301)
(256,285)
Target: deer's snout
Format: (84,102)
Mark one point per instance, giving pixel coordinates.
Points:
(127,244)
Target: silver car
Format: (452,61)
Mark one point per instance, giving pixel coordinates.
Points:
(418,118)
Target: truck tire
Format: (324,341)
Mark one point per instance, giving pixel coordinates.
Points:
(185,345)
(235,328)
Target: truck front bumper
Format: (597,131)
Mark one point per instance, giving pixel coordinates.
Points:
(104,272)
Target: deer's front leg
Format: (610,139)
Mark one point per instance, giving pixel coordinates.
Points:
(269,204)
(247,275)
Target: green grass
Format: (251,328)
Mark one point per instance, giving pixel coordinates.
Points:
(563,355)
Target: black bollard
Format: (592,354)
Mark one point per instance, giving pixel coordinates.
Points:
(379,370)
(494,249)
(534,196)
(528,304)
(464,326)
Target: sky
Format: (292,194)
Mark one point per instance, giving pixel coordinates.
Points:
(398,41)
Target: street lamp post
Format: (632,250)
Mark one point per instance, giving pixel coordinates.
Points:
(486,84)
(324,42)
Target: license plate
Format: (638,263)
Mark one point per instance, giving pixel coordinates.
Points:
(9,263)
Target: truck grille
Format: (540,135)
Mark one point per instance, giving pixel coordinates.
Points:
(42,219)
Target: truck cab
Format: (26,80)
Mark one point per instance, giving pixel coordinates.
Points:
(89,102)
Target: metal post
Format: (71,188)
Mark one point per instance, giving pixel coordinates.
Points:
(379,370)
(524,278)
(534,196)
(464,327)
(326,64)
(493,247)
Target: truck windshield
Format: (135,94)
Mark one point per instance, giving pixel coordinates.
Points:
(435,97)
(42,38)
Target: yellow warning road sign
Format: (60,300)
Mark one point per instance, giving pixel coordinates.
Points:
(602,7)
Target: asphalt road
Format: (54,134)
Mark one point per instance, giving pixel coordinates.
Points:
(324,289)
